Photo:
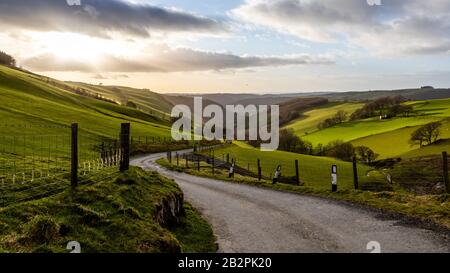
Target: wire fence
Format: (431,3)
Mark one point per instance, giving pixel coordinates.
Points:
(38,161)
(429,178)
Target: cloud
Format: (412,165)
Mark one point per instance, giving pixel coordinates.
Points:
(165,59)
(102,18)
(396,27)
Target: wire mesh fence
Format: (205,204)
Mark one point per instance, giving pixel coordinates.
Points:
(37,161)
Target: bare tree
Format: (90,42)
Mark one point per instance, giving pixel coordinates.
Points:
(427,134)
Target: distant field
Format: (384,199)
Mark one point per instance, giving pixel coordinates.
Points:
(435,149)
(314,171)
(396,143)
(311,119)
(145,100)
(374,132)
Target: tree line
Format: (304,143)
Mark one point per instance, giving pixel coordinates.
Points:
(386,107)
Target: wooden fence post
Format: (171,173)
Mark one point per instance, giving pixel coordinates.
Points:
(212,162)
(228,158)
(259,170)
(445,169)
(355,173)
(297,174)
(74,156)
(125,146)
(198,163)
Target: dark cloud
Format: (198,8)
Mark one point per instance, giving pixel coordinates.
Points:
(101,17)
(164,59)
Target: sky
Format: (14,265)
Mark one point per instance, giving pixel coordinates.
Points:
(238,46)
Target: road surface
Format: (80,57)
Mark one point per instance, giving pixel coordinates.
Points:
(249,219)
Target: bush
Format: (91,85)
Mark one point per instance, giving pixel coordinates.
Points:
(340,149)
(340,117)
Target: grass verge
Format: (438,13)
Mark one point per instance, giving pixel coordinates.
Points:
(126,213)
(194,233)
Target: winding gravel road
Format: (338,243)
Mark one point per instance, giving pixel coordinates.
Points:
(250,219)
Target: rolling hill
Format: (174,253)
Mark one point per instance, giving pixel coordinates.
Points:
(30,99)
(389,138)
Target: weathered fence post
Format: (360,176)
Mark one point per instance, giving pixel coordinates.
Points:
(334,178)
(259,170)
(198,163)
(297,174)
(74,156)
(355,173)
(125,146)
(178,159)
(212,162)
(445,169)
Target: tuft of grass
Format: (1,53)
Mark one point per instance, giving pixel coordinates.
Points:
(194,233)
(42,229)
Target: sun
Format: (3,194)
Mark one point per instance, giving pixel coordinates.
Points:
(66,46)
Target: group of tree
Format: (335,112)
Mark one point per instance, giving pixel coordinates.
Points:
(426,135)
(384,107)
(346,152)
(290,142)
(339,149)
(6,59)
(339,117)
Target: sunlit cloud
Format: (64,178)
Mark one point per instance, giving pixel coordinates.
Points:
(162,58)
(397,27)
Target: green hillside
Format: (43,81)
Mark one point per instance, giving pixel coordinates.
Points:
(387,137)
(396,143)
(310,119)
(30,99)
(145,100)
(434,149)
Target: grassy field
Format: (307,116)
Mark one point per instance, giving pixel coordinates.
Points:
(145,100)
(116,215)
(435,149)
(314,171)
(396,143)
(309,121)
(389,138)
